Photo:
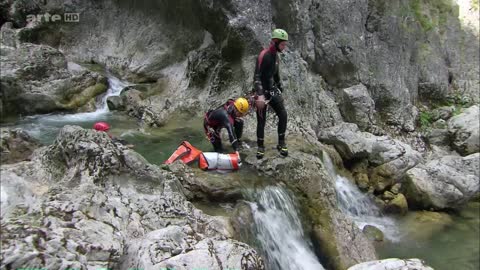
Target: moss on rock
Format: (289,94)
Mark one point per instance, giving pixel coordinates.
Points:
(85,96)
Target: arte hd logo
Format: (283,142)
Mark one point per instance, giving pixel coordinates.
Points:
(69,17)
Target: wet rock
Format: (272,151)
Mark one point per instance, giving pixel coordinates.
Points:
(362,181)
(115,103)
(398,205)
(16,145)
(396,188)
(392,264)
(446,182)
(464,129)
(242,221)
(380,203)
(35,79)
(200,185)
(87,202)
(132,98)
(373,233)
(389,158)
(360,174)
(387,195)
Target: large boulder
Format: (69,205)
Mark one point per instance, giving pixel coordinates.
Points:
(447,182)
(36,79)
(201,185)
(87,202)
(16,145)
(181,250)
(398,205)
(358,107)
(115,103)
(392,264)
(438,136)
(389,158)
(373,233)
(341,242)
(464,129)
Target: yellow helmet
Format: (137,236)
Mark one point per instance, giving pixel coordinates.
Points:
(242,105)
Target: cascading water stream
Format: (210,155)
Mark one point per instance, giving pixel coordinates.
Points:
(358,206)
(114,89)
(45,127)
(279,231)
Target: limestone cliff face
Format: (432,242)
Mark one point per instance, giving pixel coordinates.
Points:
(199,52)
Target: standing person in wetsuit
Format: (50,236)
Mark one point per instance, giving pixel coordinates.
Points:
(269,90)
(226,116)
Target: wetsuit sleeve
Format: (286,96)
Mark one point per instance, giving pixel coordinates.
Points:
(276,78)
(257,79)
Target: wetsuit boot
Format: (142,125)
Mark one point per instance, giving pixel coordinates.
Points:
(282,148)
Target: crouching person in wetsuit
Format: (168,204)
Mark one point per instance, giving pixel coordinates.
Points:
(269,90)
(227,116)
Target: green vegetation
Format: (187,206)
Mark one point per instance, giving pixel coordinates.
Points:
(459,102)
(474,4)
(426,119)
(418,12)
(456,100)
(433,13)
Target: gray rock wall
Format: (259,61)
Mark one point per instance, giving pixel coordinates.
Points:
(401,51)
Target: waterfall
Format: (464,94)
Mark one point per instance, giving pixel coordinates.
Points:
(45,127)
(114,89)
(280,233)
(358,206)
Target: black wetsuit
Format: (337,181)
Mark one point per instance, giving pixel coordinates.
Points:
(267,82)
(223,117)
